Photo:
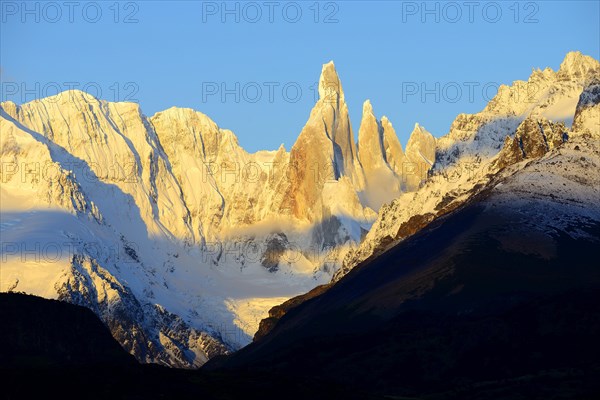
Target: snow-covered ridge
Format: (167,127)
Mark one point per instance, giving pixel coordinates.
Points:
(523,121)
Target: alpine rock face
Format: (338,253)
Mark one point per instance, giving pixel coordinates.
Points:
(181,241)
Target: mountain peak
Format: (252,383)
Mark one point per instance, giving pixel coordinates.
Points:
(367,107)
(577,64)
(418,128)
(421,145)
(187,116)
(330,87)
(76,96)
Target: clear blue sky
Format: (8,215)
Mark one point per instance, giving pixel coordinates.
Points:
(177,52)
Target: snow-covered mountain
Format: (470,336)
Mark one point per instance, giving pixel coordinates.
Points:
(523,121)
(181,241)
(167,228)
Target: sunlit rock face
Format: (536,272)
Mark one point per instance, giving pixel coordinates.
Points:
(534,138)
(324,155)
(420,156)
(587,114)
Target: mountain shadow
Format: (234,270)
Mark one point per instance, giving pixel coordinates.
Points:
(485,303)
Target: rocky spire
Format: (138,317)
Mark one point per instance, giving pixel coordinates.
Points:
(333,113)
(421,146)
(325,149)
(382,182)
(370,150)
(392,147)
(420,154)
(330,87)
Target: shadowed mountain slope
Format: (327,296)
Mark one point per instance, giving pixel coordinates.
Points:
(497,299)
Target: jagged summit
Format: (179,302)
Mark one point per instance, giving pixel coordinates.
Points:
(179,110)
(394,154)
(369,139)
(367,107)
(576,64)
(381,158)
(324,158)
(421,146)
(74,96)
(186,116)
(71,94)
(420,152)
(78,96)
(330,86)
(419,131)
(419,128)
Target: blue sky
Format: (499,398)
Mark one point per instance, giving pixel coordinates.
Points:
(409,58)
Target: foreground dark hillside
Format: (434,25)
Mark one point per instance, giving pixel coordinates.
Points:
(48,333)
(59,350)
